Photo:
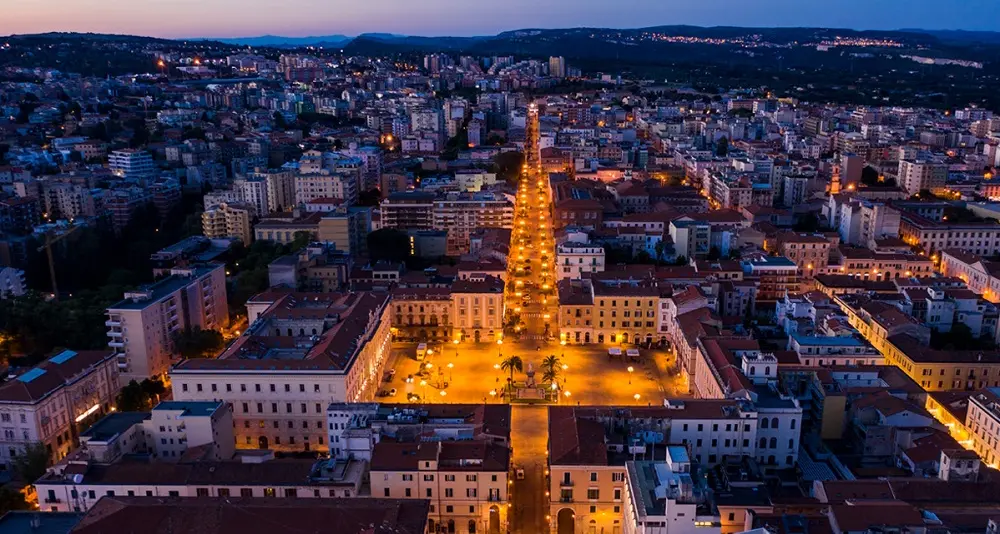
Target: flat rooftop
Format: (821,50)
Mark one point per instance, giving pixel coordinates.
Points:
(113,424)
(162,288)
(192,408)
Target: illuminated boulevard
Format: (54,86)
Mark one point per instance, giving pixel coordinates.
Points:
(469,372)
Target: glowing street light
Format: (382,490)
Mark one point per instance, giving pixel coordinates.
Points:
(567,393)
(636,396)
(630,369)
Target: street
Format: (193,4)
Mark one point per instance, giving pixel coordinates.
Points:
(529,438)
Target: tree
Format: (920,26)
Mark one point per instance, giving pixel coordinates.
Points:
(370,197)
(388,244)
(713,254)
(31,464)
(12,500)
(508,165)
(658,248)
(681,260)
(722,147)
(643,257)
(808,222)
(551,362)
(140,397)
(512,364)
(198,343)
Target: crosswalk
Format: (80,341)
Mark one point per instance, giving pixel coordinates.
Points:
(533,337)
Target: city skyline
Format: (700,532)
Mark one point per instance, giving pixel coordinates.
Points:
(227,19)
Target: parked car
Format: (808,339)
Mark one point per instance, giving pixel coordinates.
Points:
(519,473)
(392,392)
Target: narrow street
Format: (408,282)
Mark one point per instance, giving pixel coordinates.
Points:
(529,437)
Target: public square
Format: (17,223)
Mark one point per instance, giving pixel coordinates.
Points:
(469,372)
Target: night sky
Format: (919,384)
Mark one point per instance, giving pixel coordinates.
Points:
(238,18)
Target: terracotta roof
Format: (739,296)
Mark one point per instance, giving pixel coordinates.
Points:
(50,375)
(865,517)
(231,515)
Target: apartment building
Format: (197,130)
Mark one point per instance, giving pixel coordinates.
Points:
(142,326)
(78,486)
(12,282)
(347,229)
(573,259)
(51,402)
(934,235)
(625,313)
(301,352)
(71,201)
(284,227)
(663,498)
(822,351)
(979,274)
(131,514)
(576,310)
(131,164)
(174,427)
(776,275)
(478,308)
(408,210)
(325,185)
(460,214)
(905,343)
(589,447)
(227,220)
(455,456)
(983,423)
(810,252)
(122,202)
(917,175)
(867,264)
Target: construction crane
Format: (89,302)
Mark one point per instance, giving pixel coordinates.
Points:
(51,238)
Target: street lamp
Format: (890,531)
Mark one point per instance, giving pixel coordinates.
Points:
(630,369)
(636,396)
(499,345)
(493,394)
(567,393)
(450,367)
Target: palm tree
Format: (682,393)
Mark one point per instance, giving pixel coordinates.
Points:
(511,364)
(550,375)
(551,362)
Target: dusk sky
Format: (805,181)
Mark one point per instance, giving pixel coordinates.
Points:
(239,18)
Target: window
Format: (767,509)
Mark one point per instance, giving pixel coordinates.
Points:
(201,492)
(290,492)
(593,476)
(593,494)
(407,492)
(448,492)
(618,494)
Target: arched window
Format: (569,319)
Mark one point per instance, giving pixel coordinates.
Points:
(793,424)
(774,443)
(763,423)
(753,370)
(767,370)
(791,443)
(472,526)
(763,443)
(774,422)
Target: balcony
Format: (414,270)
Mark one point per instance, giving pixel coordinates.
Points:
(566,483)
(566,499)
(116,344)
(52,500)
(114,333)
(112,323)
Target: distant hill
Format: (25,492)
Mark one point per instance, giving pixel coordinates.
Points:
(279,41)
(962,36)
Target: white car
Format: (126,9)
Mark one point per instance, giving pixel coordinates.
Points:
(519,473)
(392,392)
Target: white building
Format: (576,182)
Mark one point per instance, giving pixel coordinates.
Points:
(325,185)
(983,422)
(131,164)
(176,426)
(573,259)
(49,403)
(915,175)
(301,352)
(662,498)
(12,283)
(142,326)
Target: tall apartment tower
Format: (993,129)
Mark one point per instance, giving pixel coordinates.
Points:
(143,325)
(557,67)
